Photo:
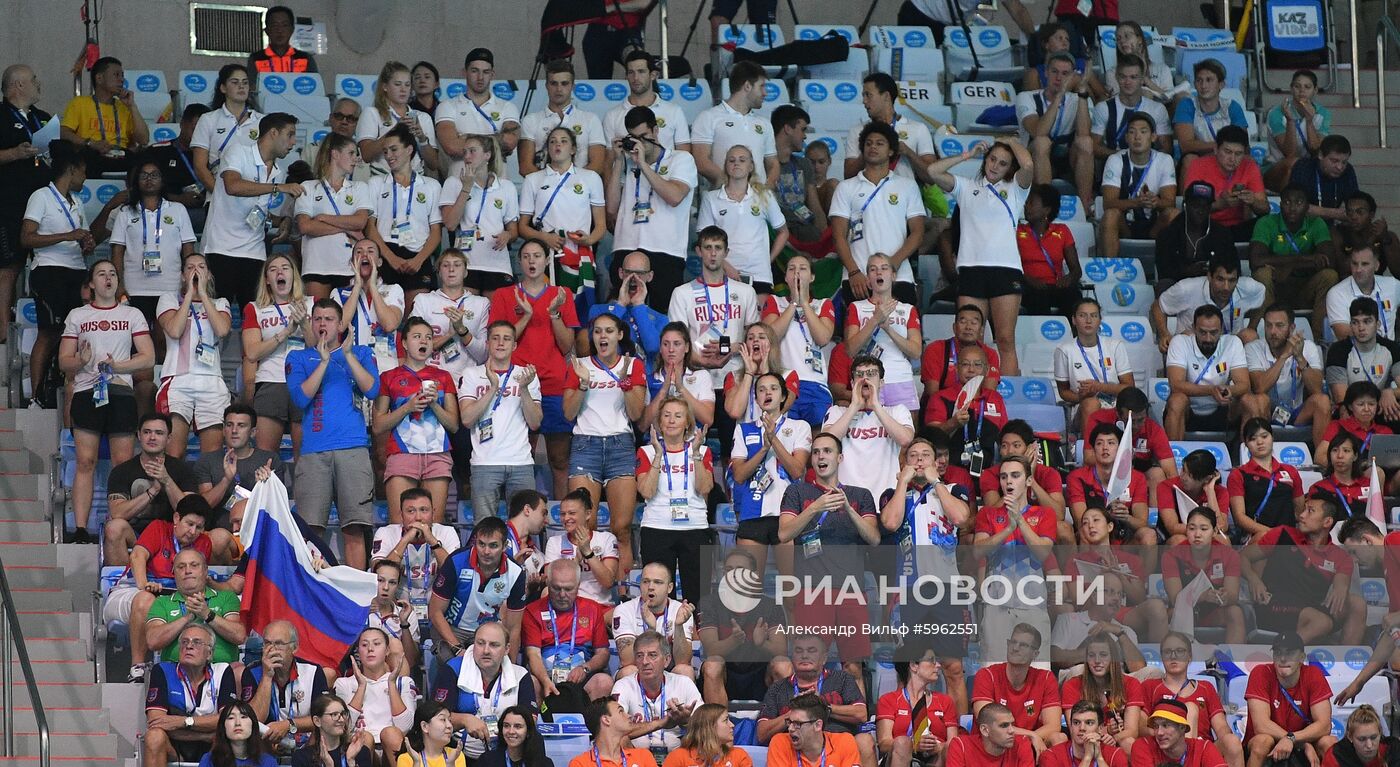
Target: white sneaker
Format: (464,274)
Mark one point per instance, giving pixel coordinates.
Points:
(138,673)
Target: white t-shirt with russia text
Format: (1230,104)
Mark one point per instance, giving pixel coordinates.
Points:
(109,331)
(869,457)
(711,312)
(269,320)
(181,356)
(657,513)
(510,438)
(1206,369)
(905,317)
(604,410)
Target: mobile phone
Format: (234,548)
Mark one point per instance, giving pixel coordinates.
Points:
(724,346)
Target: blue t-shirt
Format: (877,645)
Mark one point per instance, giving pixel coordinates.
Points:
(331,420)
(263,760)
(1206,125)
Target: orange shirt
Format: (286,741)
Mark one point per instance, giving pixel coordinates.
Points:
(684,757)
(840,752)
(631,757)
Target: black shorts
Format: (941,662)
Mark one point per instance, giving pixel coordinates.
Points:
(1137,226)
(762,530)
(744,680)
(57,290)
(990,281)
(760,11)
(189,750)
(423,279)
(12,256)
(485,283)
(118,416)
(1216,420)
(237,278)
(335,281)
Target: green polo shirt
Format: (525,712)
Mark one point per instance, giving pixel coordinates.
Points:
(169,608)
(1271,231)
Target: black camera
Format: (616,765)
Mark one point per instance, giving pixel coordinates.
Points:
(628,143)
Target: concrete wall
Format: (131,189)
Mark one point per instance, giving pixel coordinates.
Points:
(48,34)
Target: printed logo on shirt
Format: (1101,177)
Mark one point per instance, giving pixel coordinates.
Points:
(894,199)
(578,189)
(104,325)
(422,197)
(499,203)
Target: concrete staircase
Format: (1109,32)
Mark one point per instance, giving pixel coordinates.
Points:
(1377,169)
(52,588)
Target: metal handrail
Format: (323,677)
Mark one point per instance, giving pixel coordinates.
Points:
(1385,28)
(1355,58)
(12,637)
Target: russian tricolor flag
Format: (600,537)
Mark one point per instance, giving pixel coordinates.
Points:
(328,608)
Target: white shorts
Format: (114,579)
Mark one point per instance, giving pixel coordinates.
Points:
(117,608)
(200,400)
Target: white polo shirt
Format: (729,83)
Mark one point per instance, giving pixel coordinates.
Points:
(587,128)
(487,212)
(219,131)
(721,127)
(746,221)
(1104,362)
(714,311)
(869,458)
(571,210)
(1288,390)
(416,204)
(330,254)
(488,119)
(1036,102)
(475,309)
(642,708)
(1206,369)
(510,439)
(1098,119)
(905,317)
(671,127)
(226,230)
(56,214)
(797,346)
(1386,293)
(165,230)
(1159,172)
(989,218)
(374,124)
(883,208)
(912,133)
(668,228)
(1183,298)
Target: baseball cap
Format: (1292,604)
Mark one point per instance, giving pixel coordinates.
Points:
(1172,710)
(1288,641)
(1200,190)
(480,54)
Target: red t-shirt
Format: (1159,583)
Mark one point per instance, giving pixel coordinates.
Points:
(1060,756)
(993,519)
(957,475)
(1046,477)
(1033,259)
(1330,758)
(939,711)
(1166,498)
(1353,494)
(1328,559)
(536,346)
(1150,444)
(159,539)
(838,369)
(1264,686)
(990,403)
(1027,702)
(1073,692)
(1246,175)
(1355,428)
(537,630)
(939,366)
(1083,483)
(1199,753)
(1251,482)
(1221,562)
(1203,694)
(966,750)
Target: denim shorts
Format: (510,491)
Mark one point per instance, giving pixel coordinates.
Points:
(603,459)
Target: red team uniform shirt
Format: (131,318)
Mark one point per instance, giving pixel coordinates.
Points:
(536,346)
(1264,686)
(1026,702)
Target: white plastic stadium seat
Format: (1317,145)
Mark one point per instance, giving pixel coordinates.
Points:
(1036,339)
(775,93)
(1182,448)
(970,99)
(197,86)
(953,144)
(857,60)
(1108,45)
(816,31)
(1085,243)
(752,37)
(834,141)
(993,49)
(163,131)
(1295,454)
(96,193)
(908,63)
(692,96)
(451,88)
(889,36)
(1113,270)
(1135,333)
(357,87)
(1158,390)
(1124,297)
(833,105)
(924,95)
(150,92)
(1202,38)
(302,95)
(599,96)
(1033,399)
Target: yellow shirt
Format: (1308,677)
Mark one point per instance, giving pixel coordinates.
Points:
(406,760)
(81,117)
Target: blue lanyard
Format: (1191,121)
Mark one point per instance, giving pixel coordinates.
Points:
(1337,491)
(501,390)
(1205,117)
(1364,367)
(802,326)
(1003,202)
(189,166)
(660,700)
(599,364)
(1317,176)
(1292,243)
(709,305)
(1294,703)
(1103,368)
(1103,491)
(911,503)
(199,331)
(799,754)
(573,631)
(1210,361)
(116,118)
(821,679)
(476,222)
(408,214)
(1292,383)
(63,206)
(981,418)
(670,479)
(1151,158)
(873,194)
(651,191)
(331,197)
(1043,252)
(144,239)
(548,204)
(1379,298)
(27,122)
(1059,113)
(484,116)
(237,123)
(1259,510)
(1365,443)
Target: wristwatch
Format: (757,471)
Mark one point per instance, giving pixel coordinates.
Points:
(436,545)
(189,722)
(1291,737)
(291,727)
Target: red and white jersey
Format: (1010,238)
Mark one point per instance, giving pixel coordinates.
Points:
(453,357)
(109,331)
(902,320)
(270,320)
(509,444)
(182,354)
(797,346)
(724,309)
(604,411)
(604,545)
(869,458)
(677,480)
